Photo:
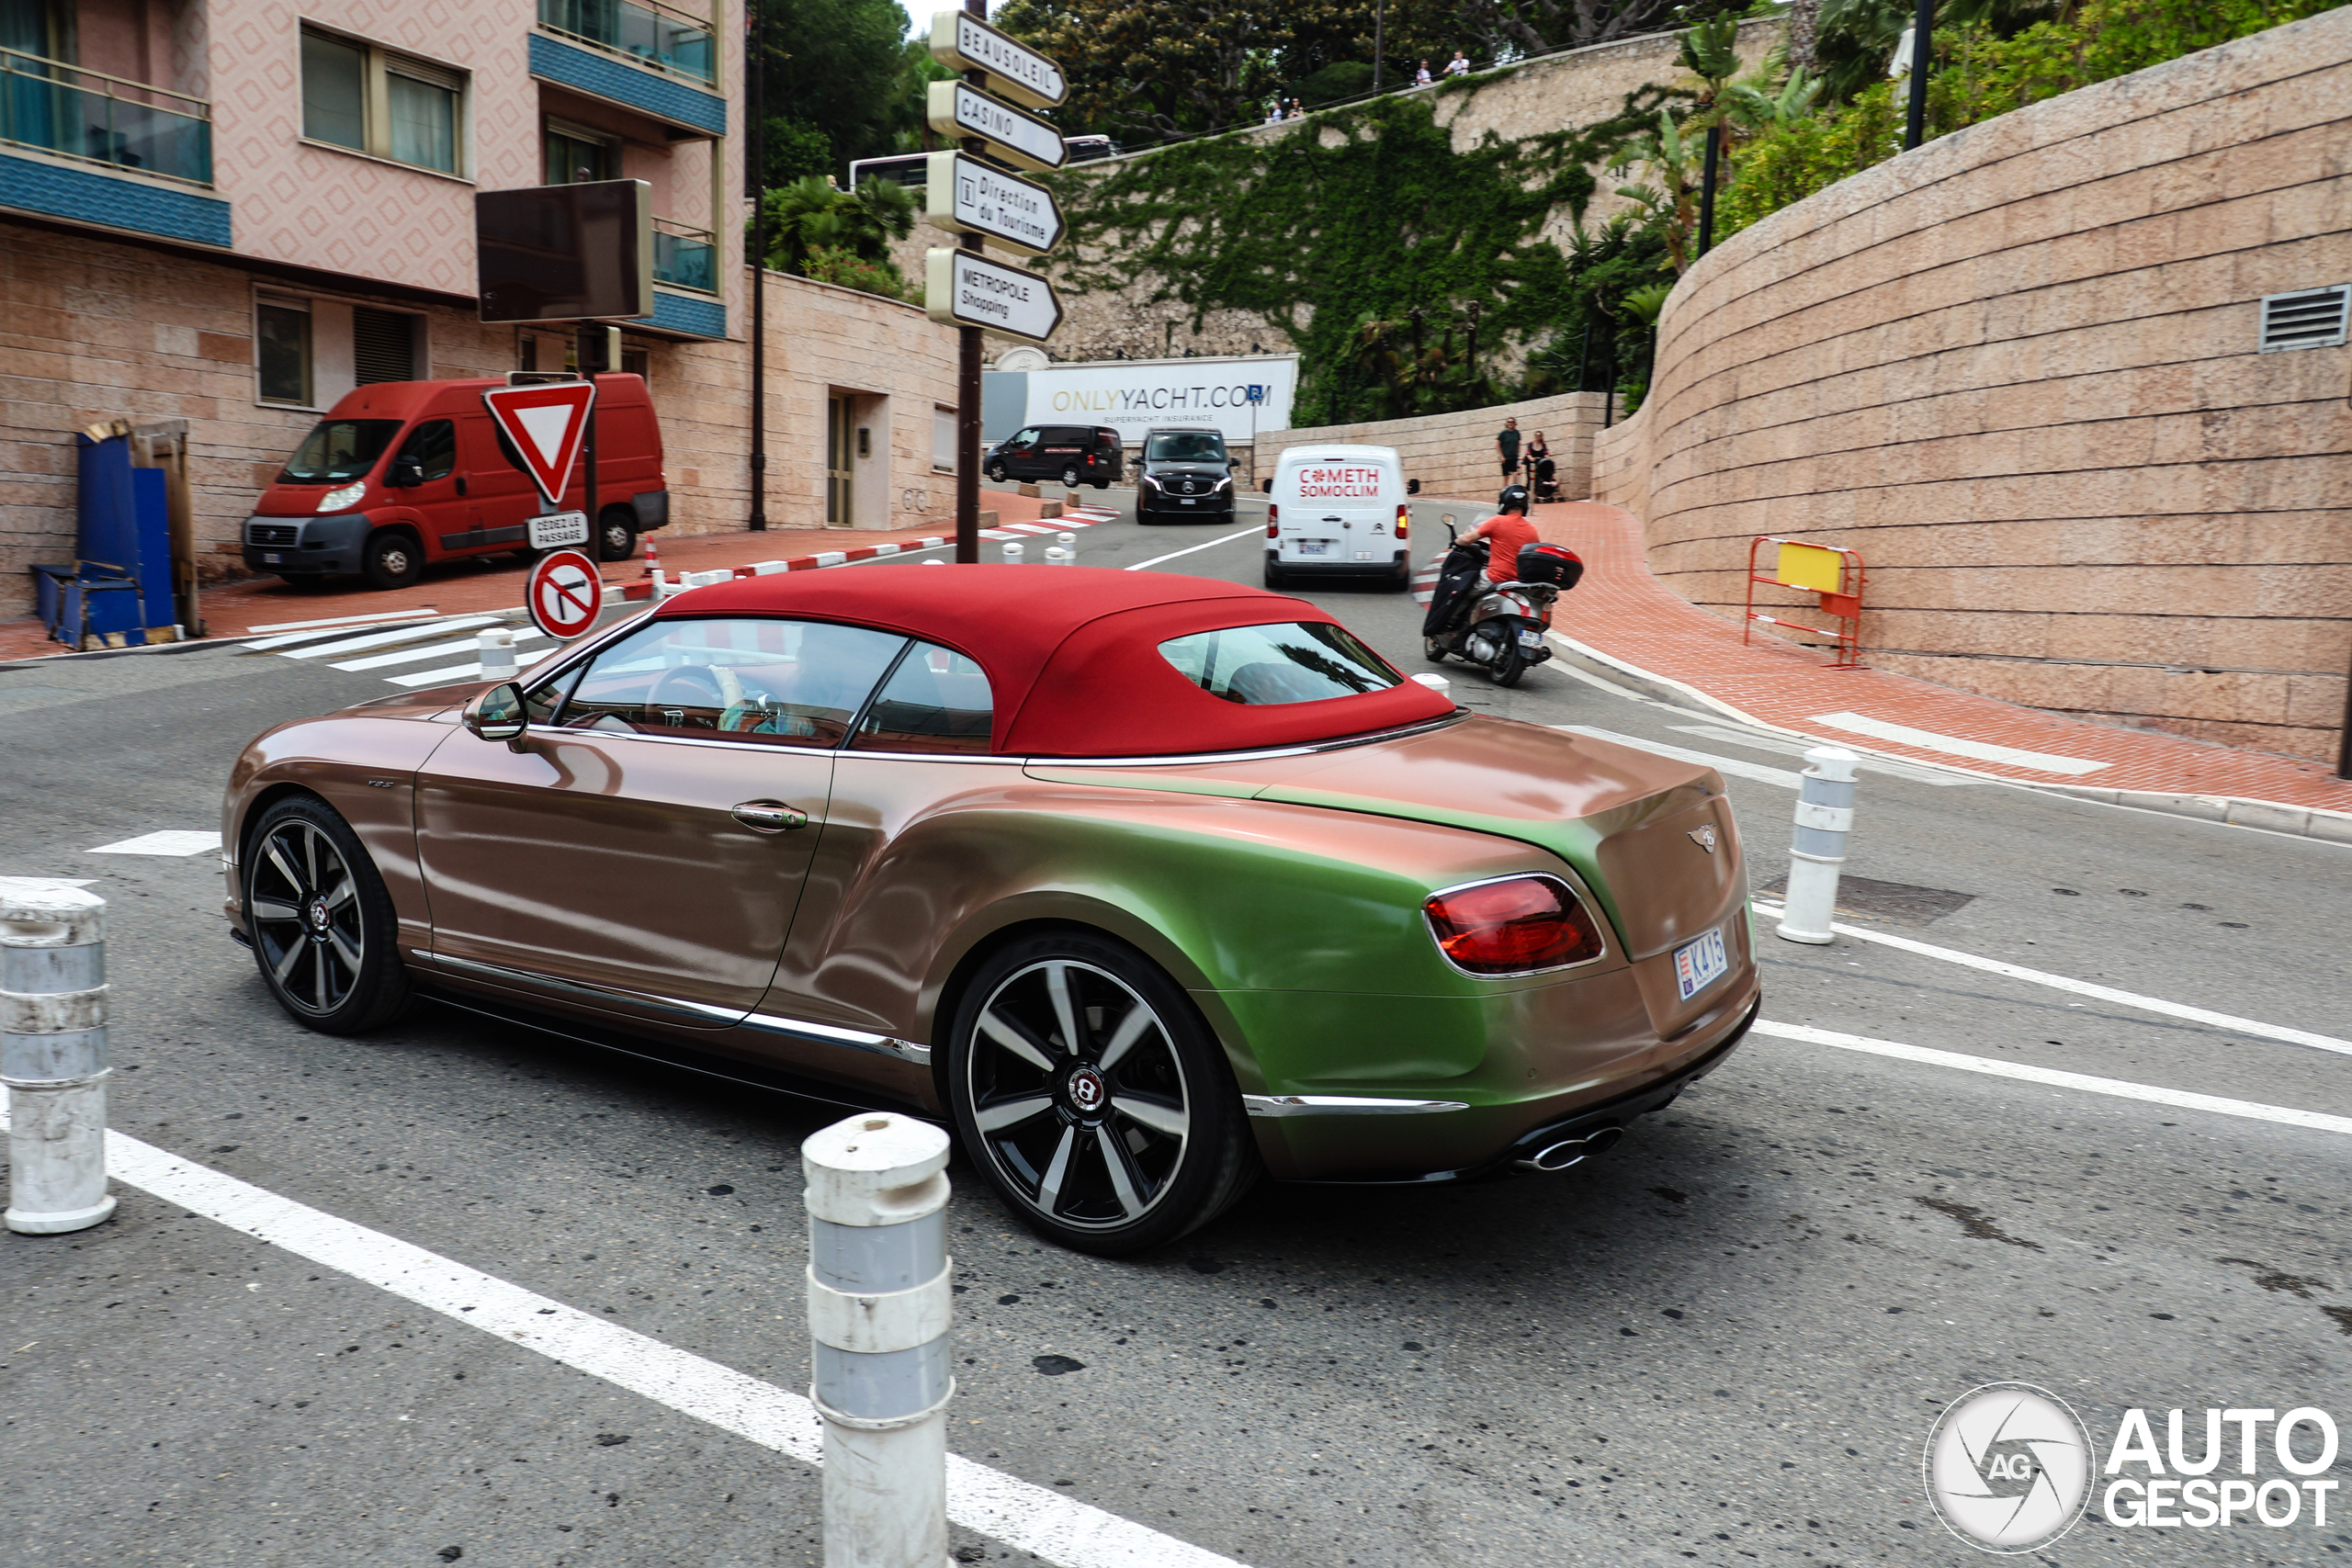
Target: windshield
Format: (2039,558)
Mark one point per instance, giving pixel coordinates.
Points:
(340,449)
(1271,665)
(1186,447)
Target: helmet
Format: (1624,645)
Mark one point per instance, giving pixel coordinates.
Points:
(1513,498)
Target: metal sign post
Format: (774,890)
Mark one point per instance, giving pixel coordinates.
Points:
(968,196)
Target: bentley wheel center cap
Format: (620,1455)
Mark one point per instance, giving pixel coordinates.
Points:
(319,915)
(1087,1092)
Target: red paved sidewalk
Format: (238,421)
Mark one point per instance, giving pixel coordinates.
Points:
(495,582)
(1628,616)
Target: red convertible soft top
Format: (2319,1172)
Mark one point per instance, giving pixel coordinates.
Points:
(1072,653)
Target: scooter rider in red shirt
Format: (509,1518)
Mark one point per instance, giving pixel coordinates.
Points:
(1506,533)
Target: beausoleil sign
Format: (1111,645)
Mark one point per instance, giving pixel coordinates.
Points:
(963,42)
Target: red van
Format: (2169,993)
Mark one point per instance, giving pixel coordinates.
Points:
(401,473)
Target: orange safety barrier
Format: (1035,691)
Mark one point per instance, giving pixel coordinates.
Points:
(1831,570)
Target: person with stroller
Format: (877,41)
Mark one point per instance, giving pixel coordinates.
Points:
(1541,472)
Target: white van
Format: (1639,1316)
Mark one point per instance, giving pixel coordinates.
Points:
(1337,511)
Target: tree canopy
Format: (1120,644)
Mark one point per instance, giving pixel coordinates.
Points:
(843,82)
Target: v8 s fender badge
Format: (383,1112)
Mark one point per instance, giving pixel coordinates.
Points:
(1704,838)
(2008,1468)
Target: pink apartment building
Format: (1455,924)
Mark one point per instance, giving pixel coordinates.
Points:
(231,213)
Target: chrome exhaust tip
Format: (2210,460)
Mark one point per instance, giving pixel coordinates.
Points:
(1570,1152)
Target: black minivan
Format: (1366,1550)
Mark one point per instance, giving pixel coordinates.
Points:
(1183,475)
(1074,454)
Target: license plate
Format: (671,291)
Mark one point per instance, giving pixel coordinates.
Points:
(1530,639)
(1189,501)
(271,560)
(1699,964)
(1314,547)
(558,529)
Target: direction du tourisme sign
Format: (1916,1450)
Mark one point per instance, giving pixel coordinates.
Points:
(969,194)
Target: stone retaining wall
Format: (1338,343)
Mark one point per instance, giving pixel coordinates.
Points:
(2018,370)
(1454,454)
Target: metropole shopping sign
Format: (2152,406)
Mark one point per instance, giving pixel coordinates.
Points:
(968,194)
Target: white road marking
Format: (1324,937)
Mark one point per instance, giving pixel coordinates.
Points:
(1918,772)
(1732,766)
(1929,740)
(339,621)
(454,673)
(168,842)
(1033,528)
(398,634)
(288,639)
(1029,1518)
(1221,539)
(2087,989)
(431,650)
(2181,1098)
(20,885)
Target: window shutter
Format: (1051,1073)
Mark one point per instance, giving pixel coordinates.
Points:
(2310,318)
(383,346)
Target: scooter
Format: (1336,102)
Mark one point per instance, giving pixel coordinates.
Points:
(1497,626)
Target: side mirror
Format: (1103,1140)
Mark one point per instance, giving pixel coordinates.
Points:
(404,474)
(497,714)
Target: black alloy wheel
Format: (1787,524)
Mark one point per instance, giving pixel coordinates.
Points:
(1069,475)
(321,924)
(393,559)
(1088,1090)
(617,535)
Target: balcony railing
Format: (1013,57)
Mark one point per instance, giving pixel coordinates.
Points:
(685,256)
(106,119)
(650,33)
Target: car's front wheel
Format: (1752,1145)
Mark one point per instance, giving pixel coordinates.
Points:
(996,472)
(1087,1088)
(321,923)
(393,559)
(1069,475)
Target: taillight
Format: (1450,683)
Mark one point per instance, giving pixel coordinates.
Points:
(1273,521)
(1512,926)
(1404,520)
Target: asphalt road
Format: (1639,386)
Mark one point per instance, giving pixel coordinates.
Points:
(1723,1343)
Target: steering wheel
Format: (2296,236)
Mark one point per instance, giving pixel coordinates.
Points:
(688,686)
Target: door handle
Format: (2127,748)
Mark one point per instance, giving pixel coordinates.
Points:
(769,816)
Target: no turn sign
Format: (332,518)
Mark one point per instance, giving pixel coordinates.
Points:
(564,594)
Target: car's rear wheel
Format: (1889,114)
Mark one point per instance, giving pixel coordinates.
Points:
(1086,1088)
(1275,576)
(323,926)
(617,535)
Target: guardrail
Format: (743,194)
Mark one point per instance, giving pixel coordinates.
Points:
(650,33)
(685,256)
(106,120)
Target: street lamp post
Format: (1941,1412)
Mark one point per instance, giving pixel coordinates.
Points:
(758,94)
(1923,36)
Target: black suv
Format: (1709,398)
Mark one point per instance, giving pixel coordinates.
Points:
(1184,474)
(1074,454)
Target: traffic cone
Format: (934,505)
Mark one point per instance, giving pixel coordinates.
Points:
(652,556)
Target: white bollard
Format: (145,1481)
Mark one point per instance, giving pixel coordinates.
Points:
(1012,553)
(1825,818)
(879,1307)
(1056,555)
(53,1058)
(1069,542)
(496,647)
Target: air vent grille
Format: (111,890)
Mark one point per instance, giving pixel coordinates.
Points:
(2310,318)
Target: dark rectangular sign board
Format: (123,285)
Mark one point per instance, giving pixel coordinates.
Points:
(565,253)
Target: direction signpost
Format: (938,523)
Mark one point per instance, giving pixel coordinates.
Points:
(969,194)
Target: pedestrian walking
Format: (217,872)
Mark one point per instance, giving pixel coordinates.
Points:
(1421,78)
(1506,443)
(1457,66)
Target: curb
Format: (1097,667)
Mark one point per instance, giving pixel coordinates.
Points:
(644,587)
(2268,816)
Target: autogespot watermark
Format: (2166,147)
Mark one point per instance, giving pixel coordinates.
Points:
(2010,1468)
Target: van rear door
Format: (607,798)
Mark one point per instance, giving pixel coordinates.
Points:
(1338,511)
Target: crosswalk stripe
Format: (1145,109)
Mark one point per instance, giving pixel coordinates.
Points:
(322,634)
(458,672)
(435,651)
(398,634)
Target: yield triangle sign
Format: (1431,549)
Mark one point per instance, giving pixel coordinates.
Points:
(546,423)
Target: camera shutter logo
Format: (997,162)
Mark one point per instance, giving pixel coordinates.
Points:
(2008,1468)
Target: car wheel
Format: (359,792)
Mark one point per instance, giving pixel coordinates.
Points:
(617,538)
(393,559)
(996,471)
(1069,475)
(1275,576)
(323,926)
(1102,484)
(1086,1088)
(1402,578)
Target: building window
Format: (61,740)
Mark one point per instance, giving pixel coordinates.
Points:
(943,440)
(386,105)
(577,155)
(383,346)
(282,351)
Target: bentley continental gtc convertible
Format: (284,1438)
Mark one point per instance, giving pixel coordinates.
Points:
(1148,882)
